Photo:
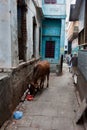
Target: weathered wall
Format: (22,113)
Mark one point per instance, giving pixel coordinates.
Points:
(40,3)
(9,56)
(5,34)
(8,34)
(71,29)
(5,98)
(54,10)
(82,62)
(62,37)
(74,43)
(51,31)
(82,77)
(82,86)
(12,88)
(20,78)
(14,33)
(82,16)
(32,12)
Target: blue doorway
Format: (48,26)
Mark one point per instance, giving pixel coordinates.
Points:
(50,48)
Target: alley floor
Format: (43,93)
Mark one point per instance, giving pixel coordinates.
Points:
(52,109)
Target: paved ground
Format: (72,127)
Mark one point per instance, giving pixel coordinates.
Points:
(53,109)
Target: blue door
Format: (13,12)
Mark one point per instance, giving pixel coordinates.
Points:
(51,49)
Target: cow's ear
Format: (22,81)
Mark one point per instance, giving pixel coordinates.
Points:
(36,85)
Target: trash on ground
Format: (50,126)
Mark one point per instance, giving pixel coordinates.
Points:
(29,97)
(75,79)
(24,96)
(17,115)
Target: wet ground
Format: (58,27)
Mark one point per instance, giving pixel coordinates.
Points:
(52,109)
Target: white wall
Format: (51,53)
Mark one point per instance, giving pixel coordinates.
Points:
(40,3)
(30,14)
(14,33)
(68,3)
(9,56)
(8,34)
(5,37)
(74,43)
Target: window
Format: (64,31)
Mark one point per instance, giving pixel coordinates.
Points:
(22,31)
(81,37)
(50,49)
(50,1)
(34,36)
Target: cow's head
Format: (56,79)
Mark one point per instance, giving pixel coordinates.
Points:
(33,87)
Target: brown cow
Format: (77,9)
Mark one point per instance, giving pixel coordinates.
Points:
(40,72)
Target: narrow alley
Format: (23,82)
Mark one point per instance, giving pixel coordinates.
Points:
(52,109)
(38,37)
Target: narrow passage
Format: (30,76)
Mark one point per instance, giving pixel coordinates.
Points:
(52,109)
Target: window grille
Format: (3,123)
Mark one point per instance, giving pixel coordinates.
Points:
(50,1)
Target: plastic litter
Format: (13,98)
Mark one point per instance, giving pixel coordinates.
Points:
(29,97)
(75,79)
(17,115)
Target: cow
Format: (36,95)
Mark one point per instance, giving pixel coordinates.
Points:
(41,71)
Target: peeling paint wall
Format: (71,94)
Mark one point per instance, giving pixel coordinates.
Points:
(8,34)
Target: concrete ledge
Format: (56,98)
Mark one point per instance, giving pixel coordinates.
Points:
(3,75)
(21,65)
(24,64)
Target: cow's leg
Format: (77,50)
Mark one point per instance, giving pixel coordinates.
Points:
(32,90)
(42,83)
(47,80)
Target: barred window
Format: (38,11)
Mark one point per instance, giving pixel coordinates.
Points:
(47,1)
(53,1)
(50,49)
(50,1)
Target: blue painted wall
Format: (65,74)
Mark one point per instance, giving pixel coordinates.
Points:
(57,10)
(53,28)
(51,31)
